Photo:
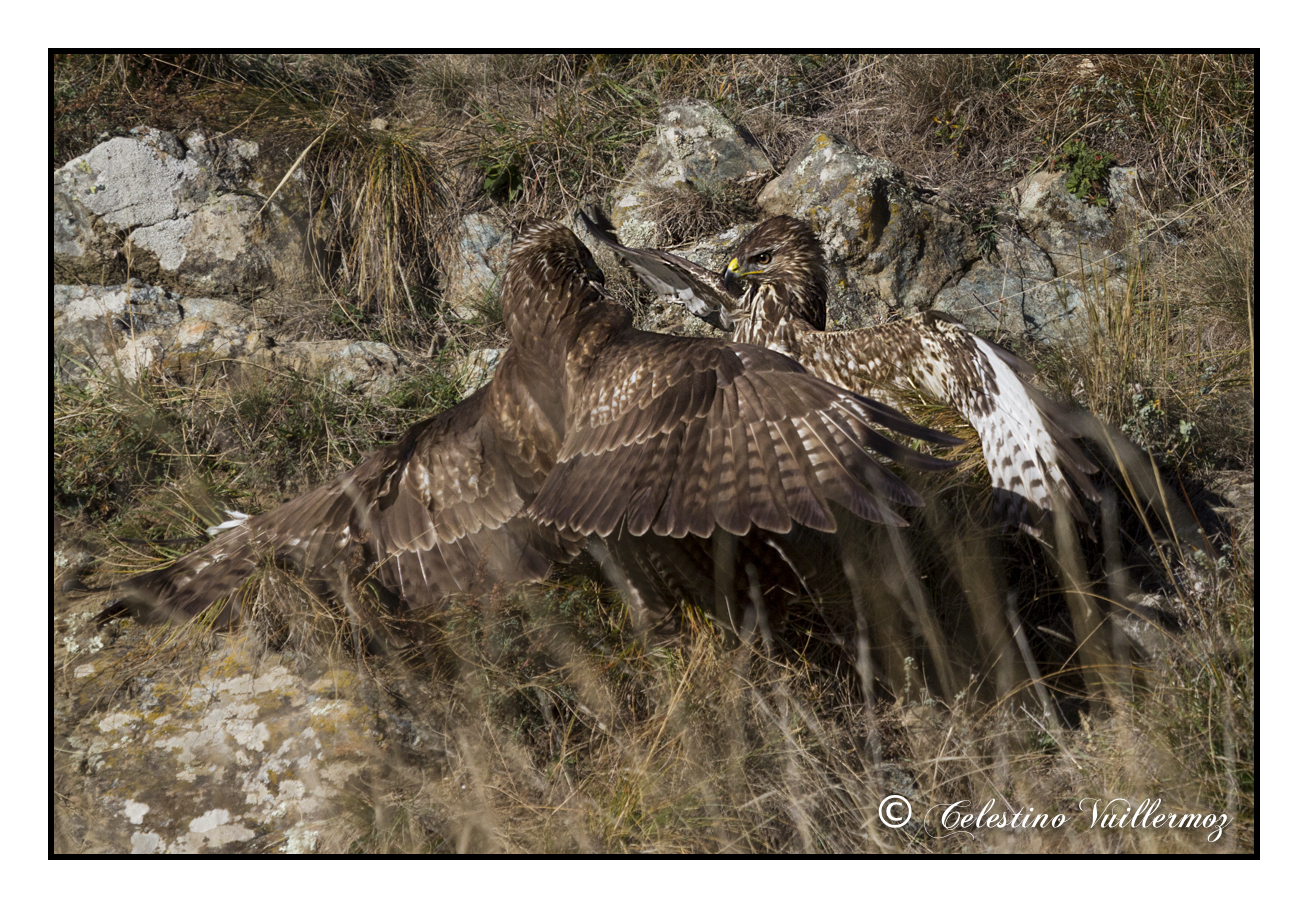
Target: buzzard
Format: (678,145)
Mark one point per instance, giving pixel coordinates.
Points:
(774,294)
(589,429)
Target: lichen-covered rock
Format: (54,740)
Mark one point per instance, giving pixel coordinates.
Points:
(129,330)
(186,216)
(1015,291)
(889,247)
(235,751)
(139,329)
(368,367)
(694,148)
(481,251)
(840,190)
(1049,247)
(885,249)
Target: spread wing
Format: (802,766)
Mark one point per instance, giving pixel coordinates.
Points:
(438,511)
(1027,439)
(675,436)
(705,293)
(449,514)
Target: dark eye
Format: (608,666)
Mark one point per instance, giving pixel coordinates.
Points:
(763,258)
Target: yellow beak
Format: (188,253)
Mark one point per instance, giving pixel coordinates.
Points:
(734,267)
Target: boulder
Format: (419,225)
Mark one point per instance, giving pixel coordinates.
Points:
(131,329)
(135,329)
(695,149)
(1050,247)
(840,190)
(188,216)
(885,248)
(240,750)
(889,246)
(367,367)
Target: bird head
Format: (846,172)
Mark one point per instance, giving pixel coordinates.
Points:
(551,276)
(785,253)
(780,248)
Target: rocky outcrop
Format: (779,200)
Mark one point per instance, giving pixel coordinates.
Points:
(694,149)
(368,367)
(189,215)
(1049,249)
(885,248)
(890,247)
(239,750)
(136,330)
(838,188)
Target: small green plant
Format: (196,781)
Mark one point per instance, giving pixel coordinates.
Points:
(949,130)
(503,178)
(426,392)
(985,225)
(1150,427)
(1087,172)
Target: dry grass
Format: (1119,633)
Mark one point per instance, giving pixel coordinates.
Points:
(961,664)
(540,722)
(386,197)
(1169,356)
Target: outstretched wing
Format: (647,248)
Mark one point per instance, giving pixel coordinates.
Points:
(438,511)
(675,436)
(1026,438)
(705,293)
(449,517)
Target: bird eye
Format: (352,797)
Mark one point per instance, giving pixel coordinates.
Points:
(763,258)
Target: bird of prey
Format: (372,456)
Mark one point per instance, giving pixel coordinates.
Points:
(588,428)
(774,293)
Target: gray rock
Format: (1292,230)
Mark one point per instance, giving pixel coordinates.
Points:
(186,216)
(839,189)
(889,248)
(1016,291)
(102,332)
(128,330)
(885,248)
(1050,248)
(367,367)
(694,148)
(481,252)
(243,751)
(478,367)
(117,330)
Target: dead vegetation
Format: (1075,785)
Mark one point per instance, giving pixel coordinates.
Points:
(998,670)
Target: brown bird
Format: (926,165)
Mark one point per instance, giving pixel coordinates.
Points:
(774,293)
(588,428)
